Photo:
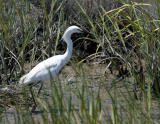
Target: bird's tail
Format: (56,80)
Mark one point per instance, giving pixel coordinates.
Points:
(22,79)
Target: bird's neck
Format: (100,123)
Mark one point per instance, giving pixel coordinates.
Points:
(68,52)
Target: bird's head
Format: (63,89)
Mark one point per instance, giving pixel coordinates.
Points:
(69,31)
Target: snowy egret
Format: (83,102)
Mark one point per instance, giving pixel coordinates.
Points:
(52,65)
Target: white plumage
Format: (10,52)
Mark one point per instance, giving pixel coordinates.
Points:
(53,65)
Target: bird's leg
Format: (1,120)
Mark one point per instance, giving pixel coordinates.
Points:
(40,89)
(32,95)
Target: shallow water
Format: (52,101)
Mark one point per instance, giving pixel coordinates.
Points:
(73,79)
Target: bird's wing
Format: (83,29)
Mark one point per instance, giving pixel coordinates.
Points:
(42,70)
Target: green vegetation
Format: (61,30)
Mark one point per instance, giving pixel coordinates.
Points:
(123,87)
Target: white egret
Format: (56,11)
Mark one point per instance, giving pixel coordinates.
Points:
(52,65)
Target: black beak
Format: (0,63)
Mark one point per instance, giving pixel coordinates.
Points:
(85,32)
(82,31)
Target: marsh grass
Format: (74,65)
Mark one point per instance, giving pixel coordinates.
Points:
(127,42)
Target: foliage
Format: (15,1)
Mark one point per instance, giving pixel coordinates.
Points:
(124,39)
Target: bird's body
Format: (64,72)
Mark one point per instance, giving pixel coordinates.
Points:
(52,65)
(43,70)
